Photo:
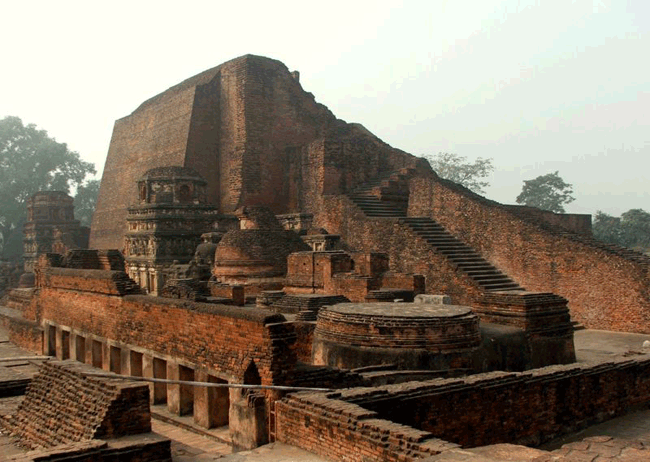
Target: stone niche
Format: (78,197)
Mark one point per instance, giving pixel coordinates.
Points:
(410,336)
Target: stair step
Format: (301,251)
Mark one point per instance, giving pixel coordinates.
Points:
(479,273)
(500,286)
(467,256)
(449,250)
(490,277)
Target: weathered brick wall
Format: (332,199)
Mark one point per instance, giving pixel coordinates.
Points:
(400,422)
(324,425)
(98,281)
(605,290)
(24,333)
(304,340)
(489,408)
(577,223)
(154,135)
(406,252)
(241,124)
(62,405)
(218,337)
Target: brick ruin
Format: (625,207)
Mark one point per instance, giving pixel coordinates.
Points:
(51,227)
(105,419)
(165,225)
(258,138)
(266,242)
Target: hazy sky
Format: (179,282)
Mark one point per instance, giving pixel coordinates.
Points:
(537,85)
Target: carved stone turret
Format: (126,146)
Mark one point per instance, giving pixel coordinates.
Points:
(165,226)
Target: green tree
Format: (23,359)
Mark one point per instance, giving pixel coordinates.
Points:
(546,192)
(607,228)
(635,227)
(631,229)
(457,169)
(85,201)
(31,161)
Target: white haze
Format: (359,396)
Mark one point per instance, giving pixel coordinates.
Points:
(538,86)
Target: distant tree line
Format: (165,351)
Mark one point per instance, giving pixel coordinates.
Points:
(548,192)
(631,229)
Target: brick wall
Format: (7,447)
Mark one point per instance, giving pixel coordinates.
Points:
(342,431)
(489,408)
(407,253)
(605,289)
(98,281)
(218,337)
(400,422)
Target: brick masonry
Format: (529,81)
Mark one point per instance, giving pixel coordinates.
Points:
(402,422)
(218,337)
(62,405)
(607,287)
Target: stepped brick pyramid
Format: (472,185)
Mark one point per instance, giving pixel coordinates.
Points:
(63,405)
(258,138)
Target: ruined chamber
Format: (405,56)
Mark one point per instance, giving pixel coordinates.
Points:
(408,335)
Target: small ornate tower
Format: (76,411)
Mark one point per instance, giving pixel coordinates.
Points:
(165,226)
(51,227)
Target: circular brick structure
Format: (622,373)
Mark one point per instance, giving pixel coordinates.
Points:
(409,335)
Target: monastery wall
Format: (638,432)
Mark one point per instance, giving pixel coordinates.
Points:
(329,427)
(401,422)
(221,339)
(597,280)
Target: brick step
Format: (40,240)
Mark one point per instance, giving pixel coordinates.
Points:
(440,240)
(481,273)
(469,257)
(378,209)
(502,286)
(451,250)
(373,204)
(423,226)
(490,277)
(474,265)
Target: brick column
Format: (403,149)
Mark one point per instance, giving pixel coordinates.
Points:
(211,405)
(180,398)
(155,368)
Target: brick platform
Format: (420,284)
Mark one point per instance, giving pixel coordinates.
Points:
(414,336)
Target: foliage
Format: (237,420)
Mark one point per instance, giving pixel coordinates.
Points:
(547,192)
(456,168)
(85,201)
(31,161)
(607,228)
(631,229)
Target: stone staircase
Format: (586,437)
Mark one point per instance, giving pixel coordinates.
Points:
(459,254)
(462,256)
(373,207)
(385,196)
